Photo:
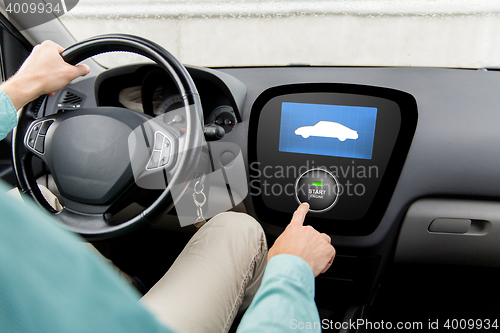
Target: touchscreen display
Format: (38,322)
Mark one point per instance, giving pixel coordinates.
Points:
(331,130)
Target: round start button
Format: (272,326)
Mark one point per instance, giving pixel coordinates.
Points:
(319,188)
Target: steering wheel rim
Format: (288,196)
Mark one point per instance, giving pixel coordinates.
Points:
(98,226)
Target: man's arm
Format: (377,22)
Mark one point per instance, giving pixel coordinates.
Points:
(285,300)
(50,281)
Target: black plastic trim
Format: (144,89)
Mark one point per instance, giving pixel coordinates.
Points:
(7,25)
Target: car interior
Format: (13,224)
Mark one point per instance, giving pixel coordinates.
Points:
(400,165)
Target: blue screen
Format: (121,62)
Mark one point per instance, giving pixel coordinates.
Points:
(331,130)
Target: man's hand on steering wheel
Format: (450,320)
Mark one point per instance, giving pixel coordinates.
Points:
(43,72)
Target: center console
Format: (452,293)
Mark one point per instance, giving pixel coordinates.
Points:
(339,147)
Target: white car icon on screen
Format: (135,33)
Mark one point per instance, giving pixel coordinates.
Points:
(327,129)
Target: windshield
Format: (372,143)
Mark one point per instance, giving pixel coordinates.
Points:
(222,33)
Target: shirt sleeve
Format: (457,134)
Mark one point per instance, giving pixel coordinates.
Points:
(50,281)
(285,299)
(8,115)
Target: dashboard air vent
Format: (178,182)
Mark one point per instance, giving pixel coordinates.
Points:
(70,100)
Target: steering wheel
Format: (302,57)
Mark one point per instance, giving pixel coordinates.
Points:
(88,150)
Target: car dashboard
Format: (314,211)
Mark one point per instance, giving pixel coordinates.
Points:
(426,164)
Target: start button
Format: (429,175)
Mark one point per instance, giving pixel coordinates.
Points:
(319,188)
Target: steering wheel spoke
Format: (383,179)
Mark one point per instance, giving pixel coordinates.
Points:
(90,225)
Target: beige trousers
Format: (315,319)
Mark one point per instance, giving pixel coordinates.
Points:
(217,273)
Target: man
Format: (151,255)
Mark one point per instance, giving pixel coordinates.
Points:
(51,282)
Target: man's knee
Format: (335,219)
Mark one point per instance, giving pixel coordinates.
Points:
(240,229)
(237,223)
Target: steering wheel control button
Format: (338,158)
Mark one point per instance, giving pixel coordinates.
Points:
(154,161)
(40,142)
(158,140)
(32,139)
(45,127)
(165,156)
(161,152)
(319,188)
(32,136)
(36,137)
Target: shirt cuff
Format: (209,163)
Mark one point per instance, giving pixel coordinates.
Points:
(292,267)
(8,115)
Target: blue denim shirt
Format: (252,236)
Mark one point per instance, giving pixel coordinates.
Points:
(51,282)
